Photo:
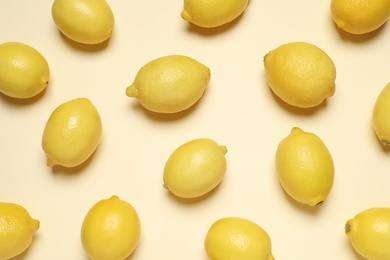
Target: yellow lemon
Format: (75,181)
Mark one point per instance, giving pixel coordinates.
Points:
(72,133)
(359,17)
(24,71)
(234,238)
(304,167)
(17,229)
(170,84)
(212,13)
(195,168)
(111,230)
(84,21)
(381,116)
(300,73)
(369,233)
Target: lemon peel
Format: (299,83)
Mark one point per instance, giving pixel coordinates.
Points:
(25,72)
(369,233)
(233,238)
(195,168)
(72,133)
(111,230)
(17,229)
(170,84)
(380,116)
(84,21)
(305,167)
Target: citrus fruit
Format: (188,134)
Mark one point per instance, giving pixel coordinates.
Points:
(300,73)
(84,21)
(195,168)
(111,230)
(369,233)
(212,13)
(72,133)
(360,17)
(234,238)
(304,167)
(170,84)
(24,71)
(381,115)
(17,229)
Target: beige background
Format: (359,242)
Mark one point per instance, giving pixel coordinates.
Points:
(238,110)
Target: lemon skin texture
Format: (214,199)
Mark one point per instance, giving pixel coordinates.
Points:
(72,133)
(17,229)
(233,238)
(300,73)
(24,71)
(212,13)
(381,116)
(369,233)
(360,17)
(305,167)
(195,168)
(170,84)
(111,230)
(84,21)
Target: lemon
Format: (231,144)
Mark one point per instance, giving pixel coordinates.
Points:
(369,233)
(234,238)
(170,84)
(72,133)
(24,71)
(300,73)
(381,115)
(17,229)
(360,17)
(212,13)
(84,21)
(304,167)
(111,230)
(195,168)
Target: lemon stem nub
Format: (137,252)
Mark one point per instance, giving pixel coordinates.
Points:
(347,228)
(319,203)
(50,163)
(132,91)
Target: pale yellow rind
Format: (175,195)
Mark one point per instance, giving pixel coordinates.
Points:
(305,167)
(72,133)
(234,238)
(84,21)
(381,116)
(369,233)
(110,230)
(17,229)
(360,17)
(195,168)
(212,13)
(24,71)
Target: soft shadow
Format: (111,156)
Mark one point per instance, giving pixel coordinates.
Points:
(23,101)
(192,201)
(85,47)
(58,169)
(358,38)
(213,31)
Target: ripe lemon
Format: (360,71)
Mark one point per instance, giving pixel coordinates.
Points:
(300,73)
(360,17)
(111,230)
(381,116)
(212,13)
(17,229)
(24,71)
(195,168)
(369,233)
(170,84)
(72,133)
(304,167)
(234,238)
(84,21)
